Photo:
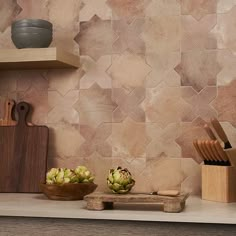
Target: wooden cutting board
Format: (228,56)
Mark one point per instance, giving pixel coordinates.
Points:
(23,154)
(7,120)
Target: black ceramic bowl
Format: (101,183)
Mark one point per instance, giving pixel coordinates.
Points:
(32,40)
(15,31)
(32,23)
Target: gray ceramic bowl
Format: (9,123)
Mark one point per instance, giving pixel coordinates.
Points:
(32,23)
(31,30)
(32,40)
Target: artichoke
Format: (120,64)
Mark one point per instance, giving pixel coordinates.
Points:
(83,175)
(120,180)
(60,176)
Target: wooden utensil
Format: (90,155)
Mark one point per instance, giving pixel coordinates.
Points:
(221,152)
(210,152)
(214,150)
(210,132)
(7,120)
(205,151)
(221,133)
(23,154)
(199,151)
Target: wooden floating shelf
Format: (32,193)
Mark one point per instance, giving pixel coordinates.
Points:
(37,58)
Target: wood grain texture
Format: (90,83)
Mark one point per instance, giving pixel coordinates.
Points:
(221,133)
(7,120)
(23,152)
(218,183)
(23,226)
(68,191)
(231,154)
(37,58)
(101,201)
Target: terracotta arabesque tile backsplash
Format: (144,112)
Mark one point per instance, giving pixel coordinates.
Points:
(152,73)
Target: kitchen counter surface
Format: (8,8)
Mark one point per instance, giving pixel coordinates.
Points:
(37,205)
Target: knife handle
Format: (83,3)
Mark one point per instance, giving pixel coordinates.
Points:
(205,151)
(214,150)
(209,150)
(195,144)
(220,150)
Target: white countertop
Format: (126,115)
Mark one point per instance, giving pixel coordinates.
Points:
(37,205)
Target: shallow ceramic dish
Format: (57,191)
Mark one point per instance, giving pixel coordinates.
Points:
(32,40)
(68,192)
(32,23)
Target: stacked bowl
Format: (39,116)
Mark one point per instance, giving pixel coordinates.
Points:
(31,33)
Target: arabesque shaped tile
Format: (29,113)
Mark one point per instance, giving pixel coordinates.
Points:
(38,99)
(128,71)
(128,9)
(191,131)
(225,30)
(129,139)
(59,162)
(32,78)
(5,39)
(136,166)
(162,141)
(96,140)
(64,141)
(95,72)
(65,26)
(197,35)
(95,37)
(104,163)
(34,9)
(128,36)
(192,171)
(61,107)
(163,7)
(8,11)
(8,80)
(225,6)
(198,69)
(225,103)
(89,8)
(128,104)
(63,80)
(199,8)
(227,61)
(162,34)
(61,19)
(95,106)
(164,173)
(166,105)
(163,69)
(201,102)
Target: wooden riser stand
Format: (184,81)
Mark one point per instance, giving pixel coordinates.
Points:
(219,182)
(101,201)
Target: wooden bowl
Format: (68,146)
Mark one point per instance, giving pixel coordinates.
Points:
(67,192)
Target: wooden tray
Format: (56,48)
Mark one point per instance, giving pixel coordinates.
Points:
(101,201)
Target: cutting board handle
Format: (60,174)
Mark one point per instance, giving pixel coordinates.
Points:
(9,104)
(23,110)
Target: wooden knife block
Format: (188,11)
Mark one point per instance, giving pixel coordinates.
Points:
(219,183)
